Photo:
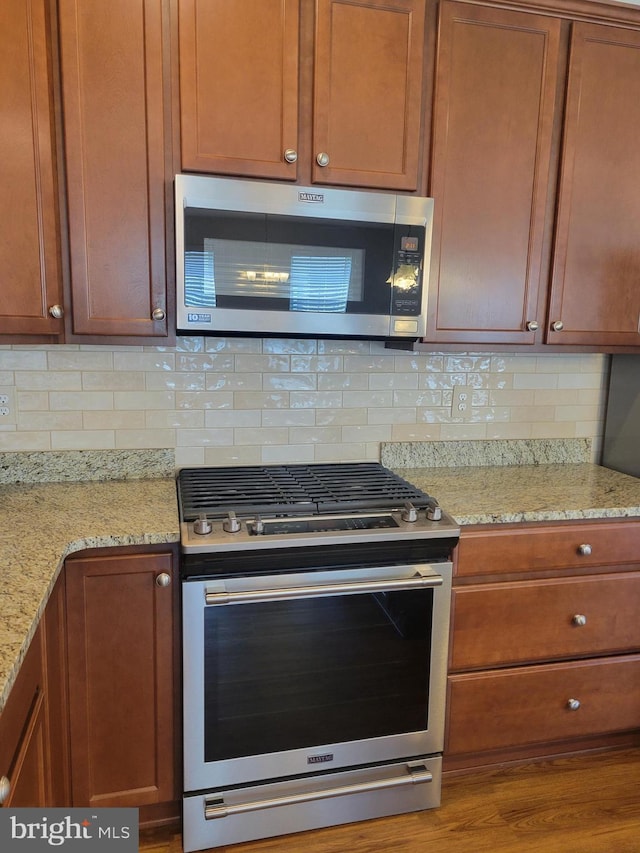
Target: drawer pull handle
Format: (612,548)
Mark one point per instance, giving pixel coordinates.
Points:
(585,550)
(573,704)
(579,619)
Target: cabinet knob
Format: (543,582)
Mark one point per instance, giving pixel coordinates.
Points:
(158,314)
(579,619)
(557,326)
(163,579)
(5,789)
(322,159)
(533,326)
(584,549)
(290,155)
(57,312)
(573,704)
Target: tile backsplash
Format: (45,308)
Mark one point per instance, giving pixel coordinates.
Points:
(220,401)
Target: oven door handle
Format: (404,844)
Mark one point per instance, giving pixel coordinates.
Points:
(416,774)
(255,596)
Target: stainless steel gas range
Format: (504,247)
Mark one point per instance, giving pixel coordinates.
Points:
(315,631)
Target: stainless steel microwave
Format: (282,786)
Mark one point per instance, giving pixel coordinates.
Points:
(271,259)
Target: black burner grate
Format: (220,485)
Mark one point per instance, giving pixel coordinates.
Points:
(293,490)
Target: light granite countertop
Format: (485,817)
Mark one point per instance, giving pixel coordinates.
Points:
(40,524)
(43,522)
(528,493)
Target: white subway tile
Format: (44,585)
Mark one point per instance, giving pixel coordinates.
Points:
(109,380)
(144,399)
(145,438)
(87,439)
(80,360)
(81,400)
(261,435)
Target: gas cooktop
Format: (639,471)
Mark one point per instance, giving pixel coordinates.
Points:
(286,505)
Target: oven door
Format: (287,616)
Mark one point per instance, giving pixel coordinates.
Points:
(290,674)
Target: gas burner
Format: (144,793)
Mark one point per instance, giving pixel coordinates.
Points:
(270,506)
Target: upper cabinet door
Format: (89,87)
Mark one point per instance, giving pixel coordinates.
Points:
(595,291)
(114,133)
(495,94)
(239,87)
(368,92)
(29,247)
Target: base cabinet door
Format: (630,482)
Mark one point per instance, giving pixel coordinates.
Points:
(24,737)
(121,692)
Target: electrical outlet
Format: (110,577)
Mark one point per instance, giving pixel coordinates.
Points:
(461,402)
(7,405)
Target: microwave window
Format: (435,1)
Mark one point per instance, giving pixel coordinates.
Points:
(306,278)
(266,262)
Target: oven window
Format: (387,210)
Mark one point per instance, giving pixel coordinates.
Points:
(304,673)
(285,263)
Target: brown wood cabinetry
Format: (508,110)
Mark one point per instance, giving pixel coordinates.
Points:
(87,255)
(29,248)
(34,724)
(24,734)
(114,59)
(506,268)
(595,287)
(545,647)
(329,92)
(120,620)
(495,99)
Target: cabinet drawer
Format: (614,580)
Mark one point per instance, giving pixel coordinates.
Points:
(504,623)
(528,705)
(527,548)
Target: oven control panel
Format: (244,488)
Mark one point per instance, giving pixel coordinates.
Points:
(253,532)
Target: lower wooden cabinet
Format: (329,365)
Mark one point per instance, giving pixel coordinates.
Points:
(543,704)
(122,697)
(92,717)
(545,643)
(25,767)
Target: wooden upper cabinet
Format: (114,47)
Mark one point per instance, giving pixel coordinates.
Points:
(496,78)
(368,92)
(239,86)
(29,248)
(114,111)
(595,291)
(246,100)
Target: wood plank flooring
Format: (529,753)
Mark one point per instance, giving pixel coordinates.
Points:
(589,804)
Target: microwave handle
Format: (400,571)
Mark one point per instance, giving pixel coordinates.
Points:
(256,596)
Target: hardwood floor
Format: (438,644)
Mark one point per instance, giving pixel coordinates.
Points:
(589,804)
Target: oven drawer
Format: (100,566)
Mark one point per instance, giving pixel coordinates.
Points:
(276,808)
(540,704)
(532,548)
(505,623)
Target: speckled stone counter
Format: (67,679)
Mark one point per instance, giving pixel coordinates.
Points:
(41,524)
(513,493)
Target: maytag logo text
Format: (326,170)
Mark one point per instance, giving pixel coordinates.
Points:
(35,830)
(317,197)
